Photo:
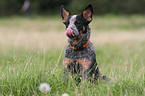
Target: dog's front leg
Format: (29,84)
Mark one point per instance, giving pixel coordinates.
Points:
(87,75)
(66,75)
(66,63)
(86,68)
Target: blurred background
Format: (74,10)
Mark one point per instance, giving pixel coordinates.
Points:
(32,44)
(45,7)
(113,21)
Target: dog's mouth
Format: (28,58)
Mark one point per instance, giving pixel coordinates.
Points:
(73,36)
(72,33)
(69,32)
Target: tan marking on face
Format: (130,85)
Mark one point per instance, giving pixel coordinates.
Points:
(83,28)
(79,38)
(84,63)
(76,41)
(66,62)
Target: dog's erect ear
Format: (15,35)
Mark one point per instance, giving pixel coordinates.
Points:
(64,13)
(87,13)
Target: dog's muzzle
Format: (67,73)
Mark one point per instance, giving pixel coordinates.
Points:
(69,32)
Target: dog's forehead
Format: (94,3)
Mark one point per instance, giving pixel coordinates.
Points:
(73,18)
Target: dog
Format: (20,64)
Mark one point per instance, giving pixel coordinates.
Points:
(80,57)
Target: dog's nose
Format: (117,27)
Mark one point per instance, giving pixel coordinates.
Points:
(69,32)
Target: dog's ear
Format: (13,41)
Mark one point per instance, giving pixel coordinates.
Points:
(87,13)
(64,13)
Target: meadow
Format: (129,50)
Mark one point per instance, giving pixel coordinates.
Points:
(31,53)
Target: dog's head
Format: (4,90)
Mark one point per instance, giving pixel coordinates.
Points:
(76,25)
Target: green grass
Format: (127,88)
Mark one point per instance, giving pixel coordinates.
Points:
(23,70)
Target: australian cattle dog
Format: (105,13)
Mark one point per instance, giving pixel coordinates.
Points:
(80,57)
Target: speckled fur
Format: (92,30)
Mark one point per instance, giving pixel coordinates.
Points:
(88,53)
(81,63)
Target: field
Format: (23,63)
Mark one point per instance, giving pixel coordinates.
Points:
(31,53)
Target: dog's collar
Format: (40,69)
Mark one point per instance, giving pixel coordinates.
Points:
(80,48)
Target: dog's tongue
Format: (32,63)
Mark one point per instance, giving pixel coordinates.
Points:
(69,32)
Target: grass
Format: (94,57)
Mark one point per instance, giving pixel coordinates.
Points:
(30,56)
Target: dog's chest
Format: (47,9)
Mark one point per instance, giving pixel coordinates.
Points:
(85,58)
(88,52)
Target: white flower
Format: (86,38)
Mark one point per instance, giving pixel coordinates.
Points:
(65,94)
(44,87)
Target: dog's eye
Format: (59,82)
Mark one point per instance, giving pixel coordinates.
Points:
(77,23)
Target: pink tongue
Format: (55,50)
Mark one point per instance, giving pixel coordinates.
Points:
(69,32)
